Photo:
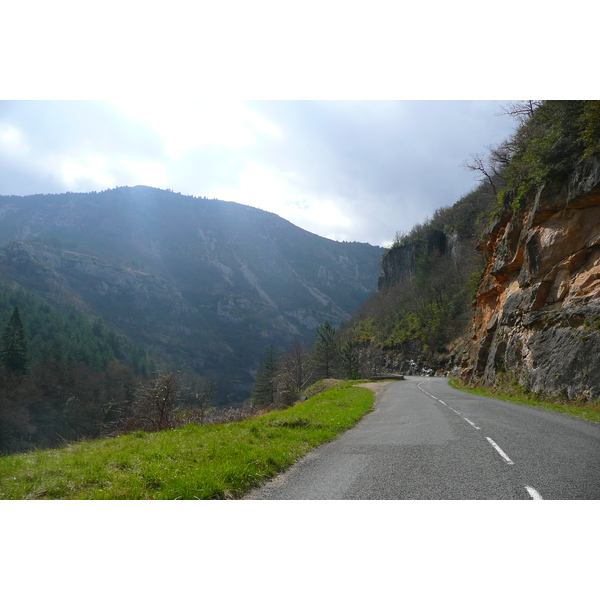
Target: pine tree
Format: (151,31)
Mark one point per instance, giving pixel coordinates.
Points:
(325,350)
(14,349)
(265,386)
(350,359)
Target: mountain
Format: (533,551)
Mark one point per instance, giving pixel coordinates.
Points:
(204,285)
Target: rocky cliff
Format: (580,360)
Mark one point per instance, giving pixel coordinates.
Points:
(398,265)
(537,312)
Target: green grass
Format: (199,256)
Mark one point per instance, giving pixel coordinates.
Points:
(193,462)
(590,412)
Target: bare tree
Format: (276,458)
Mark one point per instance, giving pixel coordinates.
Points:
(296,364)
(204,397)
(522,110)
(491,166)
(483,165)
(154,405)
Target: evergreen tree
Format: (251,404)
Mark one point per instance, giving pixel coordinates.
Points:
(265,386)
(350,359)
(325,350)
(14,349)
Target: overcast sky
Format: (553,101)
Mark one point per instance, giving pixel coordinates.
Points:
(357,170)
(348,170)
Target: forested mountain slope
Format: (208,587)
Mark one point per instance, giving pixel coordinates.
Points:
(201,284)
(424,302)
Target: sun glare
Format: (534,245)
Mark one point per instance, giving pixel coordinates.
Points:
(77,175)
(184,125)
(263,188)
(146,172)
(12,141)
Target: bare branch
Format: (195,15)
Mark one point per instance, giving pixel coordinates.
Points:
(482,166)
(522,110)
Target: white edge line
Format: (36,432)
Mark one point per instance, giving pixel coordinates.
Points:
(471,423)
(500,451)
(533,493)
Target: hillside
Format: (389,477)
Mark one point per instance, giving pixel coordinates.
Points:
(200,284)
(503,285)
(537,313)
(424,300)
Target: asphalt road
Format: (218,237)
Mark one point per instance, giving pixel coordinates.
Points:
(426,440)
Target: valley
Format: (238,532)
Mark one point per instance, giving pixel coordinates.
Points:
(125,291)
(202,285)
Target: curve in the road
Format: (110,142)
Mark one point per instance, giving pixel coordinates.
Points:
(427,440)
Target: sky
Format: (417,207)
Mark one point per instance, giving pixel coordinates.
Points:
(350,121)
(348,169)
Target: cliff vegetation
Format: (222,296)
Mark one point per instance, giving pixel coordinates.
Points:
(538,303)
(504,284)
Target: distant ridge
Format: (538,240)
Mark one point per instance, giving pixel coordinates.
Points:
(202,284)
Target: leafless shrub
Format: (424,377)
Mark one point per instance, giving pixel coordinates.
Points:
(154,406)
(287,391)
(216,416)
(371,360)
(201,397)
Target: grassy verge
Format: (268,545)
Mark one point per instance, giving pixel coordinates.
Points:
(590,412)
(193,462)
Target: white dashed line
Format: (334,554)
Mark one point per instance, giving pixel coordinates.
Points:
(430,395)
(500,451)
(533,493)
(490,440)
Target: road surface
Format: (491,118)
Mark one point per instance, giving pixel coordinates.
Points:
(426,440)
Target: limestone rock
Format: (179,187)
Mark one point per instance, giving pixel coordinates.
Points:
(537,311)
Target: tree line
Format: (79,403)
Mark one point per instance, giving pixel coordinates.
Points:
(63,376)
(66,377)
(551,138)
(283,377)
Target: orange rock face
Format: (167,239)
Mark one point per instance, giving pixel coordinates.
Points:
(538,306)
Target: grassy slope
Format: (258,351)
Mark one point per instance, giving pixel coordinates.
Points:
(193,462)
(589,413)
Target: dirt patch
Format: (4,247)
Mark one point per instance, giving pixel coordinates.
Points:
(378,387)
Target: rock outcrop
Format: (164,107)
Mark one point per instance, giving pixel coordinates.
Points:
(398,265)
(537,310)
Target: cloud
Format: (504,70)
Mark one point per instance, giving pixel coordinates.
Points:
(354,170)
(185,125)
(91,174)
(12,142)
(264,188)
